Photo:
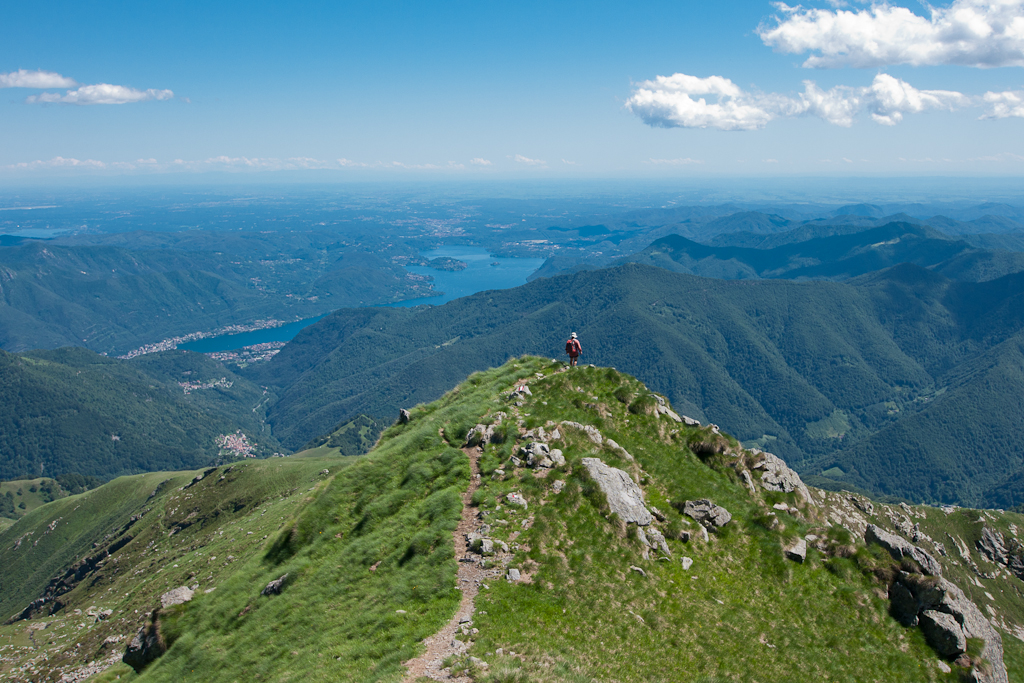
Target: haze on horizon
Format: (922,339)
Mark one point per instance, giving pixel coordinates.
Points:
(536,91)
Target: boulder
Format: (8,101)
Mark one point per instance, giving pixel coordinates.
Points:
(669,413)
(592,432)
(943,633)
(934,594)
(625,498)
(516,498)
(618,450)
(638,570)
(777,476)
(709,515)
(690,422)
(479,435)
(534,452)
(797,551)
(687,563)
(513,575)
(558,486)
(557,459)
(275,587)
(900,548)
(147,646)
(404,416)
(179,595)
(657,540)
(903,605)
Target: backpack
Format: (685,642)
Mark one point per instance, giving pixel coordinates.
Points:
(572,347)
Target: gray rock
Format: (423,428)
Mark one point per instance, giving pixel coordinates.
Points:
(638,570)
(642,537)
(690,422)
(777,476)
(687,563)
(684,536)
(534,449)
(516,498)
(625,498)
(513,576)
(179,595)
(669,413)
(147,646)
(592,433)
(498,474)
(483,546)
(900,548)
(748,480)
(477,662)
(516,462)
(863,504)
(992,545)
(940,595)
(404,416)
(481,434)
(276,586)
(558,486)
(618,450)
(657,540)
(707,513)
(797,551)
(943,633)
(903,604)
(658,515)
(557,459)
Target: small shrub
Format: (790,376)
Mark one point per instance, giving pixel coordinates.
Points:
(644,405)
(623,395)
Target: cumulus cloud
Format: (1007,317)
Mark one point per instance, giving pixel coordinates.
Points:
(477,161)
(670,102)
(101,93)
(35,79)
(979,33)
(1003,105)
(520,159)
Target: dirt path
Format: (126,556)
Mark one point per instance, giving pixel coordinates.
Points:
(443,643)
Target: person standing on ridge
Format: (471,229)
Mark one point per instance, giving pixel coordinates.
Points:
(573,348)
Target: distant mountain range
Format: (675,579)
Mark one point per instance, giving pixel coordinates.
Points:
(903,381)
(837,254)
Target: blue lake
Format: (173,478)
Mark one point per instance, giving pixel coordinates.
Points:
(483,271)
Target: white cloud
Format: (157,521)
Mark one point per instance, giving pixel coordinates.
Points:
(569,163)
(520,159)
(666,102)
(35,79)
(349,162)
(101,93)
(979,33)
(1002,105)
(58,162)
(477,161)
(674,162)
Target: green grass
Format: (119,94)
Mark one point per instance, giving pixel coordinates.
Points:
(373,536)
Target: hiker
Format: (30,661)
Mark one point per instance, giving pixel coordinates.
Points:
(573,348)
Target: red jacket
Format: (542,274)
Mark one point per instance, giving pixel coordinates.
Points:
(573,348)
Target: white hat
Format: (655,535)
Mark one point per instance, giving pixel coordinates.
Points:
(573,335)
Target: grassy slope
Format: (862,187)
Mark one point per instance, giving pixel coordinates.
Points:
(763,359)
(375,537)
(59,412)
(234,517)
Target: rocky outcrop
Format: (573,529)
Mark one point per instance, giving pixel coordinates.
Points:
(797,550)
(777,476)
(275,587)
(537,454)
(992,546)
(900,548)
(177,596)
(516,499)
(625,498)
(657,541)
(948,618)
(147,645)
(707,514)
(592,432)
(618,450)
(403,416)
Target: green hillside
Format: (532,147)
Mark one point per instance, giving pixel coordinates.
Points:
(431,556)
(113,300)
(777,363)
(73,411)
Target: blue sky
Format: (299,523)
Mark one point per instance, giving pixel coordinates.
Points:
(484,89)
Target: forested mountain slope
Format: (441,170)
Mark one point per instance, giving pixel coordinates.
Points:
(806,369)
(111,299)
(837,256)
(71,410)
